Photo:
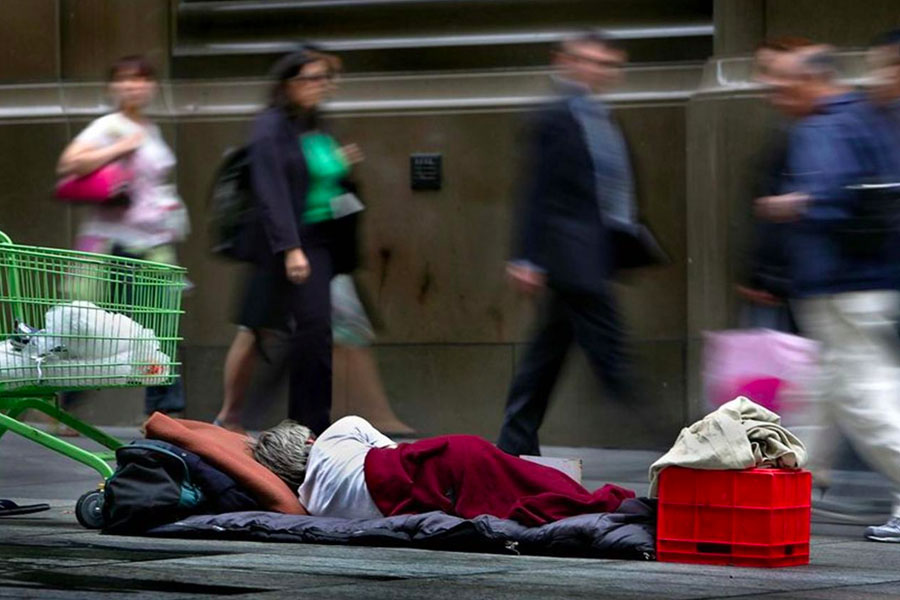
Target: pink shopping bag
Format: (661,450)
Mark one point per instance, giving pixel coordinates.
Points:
(761,364)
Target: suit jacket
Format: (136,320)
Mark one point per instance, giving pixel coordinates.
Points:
(560,228)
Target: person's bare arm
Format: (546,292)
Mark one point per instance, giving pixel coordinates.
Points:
(81,158)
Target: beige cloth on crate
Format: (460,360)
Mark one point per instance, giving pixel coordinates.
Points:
(738,435)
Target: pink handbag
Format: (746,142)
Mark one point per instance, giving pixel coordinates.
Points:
(769,367)
(110,184)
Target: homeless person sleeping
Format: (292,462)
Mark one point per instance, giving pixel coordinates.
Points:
(353,485)
(353,471)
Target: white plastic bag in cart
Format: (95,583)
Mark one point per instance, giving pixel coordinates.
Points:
(87,331)
(100,372)
(19,370)
(776,370)
(122,369)
(83,345)
(16,370)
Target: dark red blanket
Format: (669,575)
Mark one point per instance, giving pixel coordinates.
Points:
(467,476)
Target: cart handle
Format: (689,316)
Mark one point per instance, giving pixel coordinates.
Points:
(13,280)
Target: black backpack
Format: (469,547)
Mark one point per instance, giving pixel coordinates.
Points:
(231,205)
(156,483)
(151,486)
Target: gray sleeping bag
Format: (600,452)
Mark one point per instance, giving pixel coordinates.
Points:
(627,533)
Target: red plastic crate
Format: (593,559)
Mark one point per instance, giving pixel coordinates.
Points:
(751,518)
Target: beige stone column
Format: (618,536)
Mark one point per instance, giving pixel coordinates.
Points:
(94,33)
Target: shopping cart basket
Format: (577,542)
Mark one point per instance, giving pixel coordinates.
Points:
(75,320)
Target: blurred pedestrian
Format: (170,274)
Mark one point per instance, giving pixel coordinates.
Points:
(352,334)
(578,190)
(304,234)
(844,256)
(154,218)
(765,286)
(884,89)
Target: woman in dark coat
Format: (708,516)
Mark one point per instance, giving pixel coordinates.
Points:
(305,230)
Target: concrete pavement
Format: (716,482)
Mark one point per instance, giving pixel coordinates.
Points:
(48,555)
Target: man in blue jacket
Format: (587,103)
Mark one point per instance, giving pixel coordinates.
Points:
(844,256)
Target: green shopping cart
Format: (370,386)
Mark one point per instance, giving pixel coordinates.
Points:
(74,320)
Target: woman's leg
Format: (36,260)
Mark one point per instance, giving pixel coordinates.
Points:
(262,310)
(365,393)
(239,364)
(310,358)
(357,383)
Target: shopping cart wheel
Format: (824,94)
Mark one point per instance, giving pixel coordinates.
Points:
(89,510)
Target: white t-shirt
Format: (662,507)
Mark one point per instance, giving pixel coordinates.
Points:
(335,482)
(155,214)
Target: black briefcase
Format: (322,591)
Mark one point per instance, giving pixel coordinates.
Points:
(875,220)
(634,246)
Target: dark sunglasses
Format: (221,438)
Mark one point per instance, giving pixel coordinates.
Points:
(314,78)
(609,64)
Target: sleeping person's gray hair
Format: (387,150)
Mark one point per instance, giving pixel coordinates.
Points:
(284,450)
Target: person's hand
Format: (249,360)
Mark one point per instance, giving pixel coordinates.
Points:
(783,208)
(296,266)
(526,280)
(352,154)
(760,297)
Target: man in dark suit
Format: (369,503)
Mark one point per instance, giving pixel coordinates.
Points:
(578,199)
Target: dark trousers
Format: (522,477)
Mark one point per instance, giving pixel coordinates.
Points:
(592,321)
(272,302)
(164,398)
(309,397)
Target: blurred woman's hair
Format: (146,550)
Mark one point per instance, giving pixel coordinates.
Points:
(289,66)
(132,65)
(594,36)
(784,43)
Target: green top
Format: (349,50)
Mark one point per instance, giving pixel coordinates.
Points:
(326,167)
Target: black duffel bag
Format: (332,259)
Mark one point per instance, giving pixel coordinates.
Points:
(157,483)
(151,486)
